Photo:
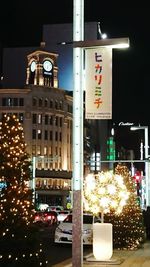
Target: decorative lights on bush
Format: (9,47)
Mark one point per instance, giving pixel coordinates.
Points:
(104,192)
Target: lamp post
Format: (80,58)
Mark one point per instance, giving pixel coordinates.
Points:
(146,147)
(79,46)
(78,35)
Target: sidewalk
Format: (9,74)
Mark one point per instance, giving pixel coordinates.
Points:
(123,258)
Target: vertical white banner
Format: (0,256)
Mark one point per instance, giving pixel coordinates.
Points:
(98,83)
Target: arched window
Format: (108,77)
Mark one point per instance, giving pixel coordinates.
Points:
(51,103)
(34,101)
(40,102)
(46,103)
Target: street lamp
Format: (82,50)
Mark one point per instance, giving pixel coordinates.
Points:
(79,46)
(101,35)
(147,182)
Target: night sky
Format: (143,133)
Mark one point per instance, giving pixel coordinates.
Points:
(21,25)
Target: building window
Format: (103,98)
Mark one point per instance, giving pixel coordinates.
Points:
(46,135)
(46,167)
(60,105)
(4,102)
(56,104)
(51,135)
(39,166)
(60,137)
(10,102)
(56,136)
(46,119)
(56,167)
(34,150)
(46,103)
(40,102)
(39,118)
(15,102)
(60,121)
(21,117)
(34,102)
(45,150)
(51,103)
(56,121)
(60,166)
(39,133)
(60,151)
(51,120)
(34,120)
(33,134)
(51,165)
(21,102)
(50,150)
(38,150)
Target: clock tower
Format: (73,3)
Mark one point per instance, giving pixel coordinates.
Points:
(42,68)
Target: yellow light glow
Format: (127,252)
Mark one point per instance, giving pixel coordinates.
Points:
(103,192)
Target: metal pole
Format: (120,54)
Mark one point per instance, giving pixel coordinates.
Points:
(77,242)
(33,177)
(146,147)
(141,150)
(146,167)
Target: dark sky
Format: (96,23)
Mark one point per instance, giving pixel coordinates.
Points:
(21,25)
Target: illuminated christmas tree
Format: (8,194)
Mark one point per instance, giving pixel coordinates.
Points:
(128,226)
(19,245)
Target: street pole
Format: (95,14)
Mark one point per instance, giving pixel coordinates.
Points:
(33,177)
(146,148)
(146,167)
(78,33)
(78,49)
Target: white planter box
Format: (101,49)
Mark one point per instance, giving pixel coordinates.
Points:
(102,241)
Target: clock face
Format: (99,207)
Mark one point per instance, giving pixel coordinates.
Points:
(47,65)
(33,66)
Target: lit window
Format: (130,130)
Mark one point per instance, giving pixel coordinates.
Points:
(38,150)
(50,150)
(39,118)
(45,150)
(39,134)
(33,150)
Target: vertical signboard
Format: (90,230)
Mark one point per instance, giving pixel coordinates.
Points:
(98,83)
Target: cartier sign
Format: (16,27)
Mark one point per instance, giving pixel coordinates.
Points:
(126,123)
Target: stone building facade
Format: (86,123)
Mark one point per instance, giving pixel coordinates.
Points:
(45,110)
